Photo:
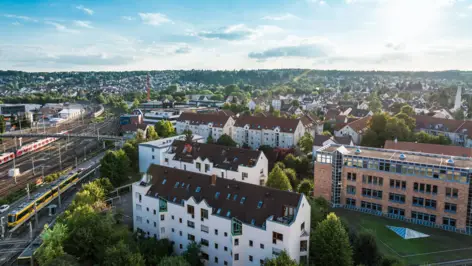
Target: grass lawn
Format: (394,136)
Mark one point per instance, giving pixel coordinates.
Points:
(440,246)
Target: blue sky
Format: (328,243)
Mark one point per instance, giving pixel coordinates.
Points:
(40,35)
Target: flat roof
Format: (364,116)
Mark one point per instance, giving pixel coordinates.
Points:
(410,157)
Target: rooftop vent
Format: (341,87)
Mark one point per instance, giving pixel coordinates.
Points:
(358,151)
(402,156)
(450,161)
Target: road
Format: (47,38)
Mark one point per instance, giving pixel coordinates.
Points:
(17,203)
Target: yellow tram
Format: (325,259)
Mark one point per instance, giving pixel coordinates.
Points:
(26,210)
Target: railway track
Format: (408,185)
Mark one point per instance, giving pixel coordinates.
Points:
(51,164)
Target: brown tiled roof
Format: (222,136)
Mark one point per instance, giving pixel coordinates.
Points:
(273,200)
(331,114)
(428,148)
(426,122)
(222,156)
(360,124)
(346,140)
(256,122)
(198,119)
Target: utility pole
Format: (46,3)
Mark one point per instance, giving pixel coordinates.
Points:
(31,230)
(2,227)
(3,146)
(36,215)
(85,154)
(28,191)
(75,162)
(42,172)
(16,147)
(59,196)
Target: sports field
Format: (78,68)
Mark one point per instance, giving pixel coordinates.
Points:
(440,246)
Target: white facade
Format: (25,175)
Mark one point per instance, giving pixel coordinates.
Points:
(256,174)
(156,116)
(205,130)
(348,131)
(152,152)
(251,247)
(276,104)
(255,138)
(251,105)
(71,113)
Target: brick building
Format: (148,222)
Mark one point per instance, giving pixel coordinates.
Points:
(422,188)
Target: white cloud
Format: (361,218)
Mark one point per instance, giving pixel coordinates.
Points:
(287,16)
(25,18)
(319,2)
(85,10)
(470,7)
(127,18)
(83,24)
(154,19)
(238,32)
(16,23)
(61,27)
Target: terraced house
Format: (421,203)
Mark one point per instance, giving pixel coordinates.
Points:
(236,223)
(418,187)
(205,125)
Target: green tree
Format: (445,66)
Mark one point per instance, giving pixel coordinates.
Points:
(63,260)
(226,140)
(90,194)
(278,179)
(210,139)
(135,104)
(231,89)
(52,246)
(326,133)
(132,154)
(188,136)
(120,254)
(292,177)
(218,97)
(173,261)
(193,255)
(331,243)
(283,259)
(306,143)
(365,250)
(151,133)
(397,128)
(164,129)
(116,166)
(375,105)
(408,110)
(295,103)
(459,114)
(153,249)
(2,124)
(306,187)
(276,113)
(409,120)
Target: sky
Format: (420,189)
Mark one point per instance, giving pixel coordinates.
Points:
(115,35)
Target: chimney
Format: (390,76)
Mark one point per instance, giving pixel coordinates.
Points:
(213,180)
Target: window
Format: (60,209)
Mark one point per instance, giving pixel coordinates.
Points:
(399,198)
(250,258)
(423,217)
(191,237)
(204,228)
(217,195)
(226,248)
(450,207)
(226,234)
(198,189)
(207,168)
(302,226)
(155,224)
(204,213)
(216,231)
(216,245)
(425,188)
(242,200)
(204,242)
(250,243)
(163,230)
(398,184)
(198,166)
(429,203)
(216,259)
(190,224)
(180,220)
(154,212)
(244,175)
(166,160)
(351,176)
(452,192)
(236,256)
(303,245)
(259,205)
(351,190)
(162,217)
(172,217)
(236,242)
(180,233)
(153,157)
(138,207)
(139,219)
(449,221)
(372,180)
(351,202)
(190,209)
(277,236)
(176,185)
(367,192)
(180,246)
(262,246)
(225,263)
(396,211)
(205,256)
(371,206)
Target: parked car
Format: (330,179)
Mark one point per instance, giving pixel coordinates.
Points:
(4,208)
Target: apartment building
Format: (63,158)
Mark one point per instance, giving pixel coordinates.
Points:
(354,129)
(152,152)
(205,124)
(239,164)
(236,223)
(460,132)
(423,188)
(255,131)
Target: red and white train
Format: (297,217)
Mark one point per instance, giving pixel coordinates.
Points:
(8,156)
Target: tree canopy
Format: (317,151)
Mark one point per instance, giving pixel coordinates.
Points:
(226,140)
(116,166)
(306,142)
(164,129)
(278,179)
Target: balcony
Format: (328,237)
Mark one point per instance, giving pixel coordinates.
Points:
(276,251)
